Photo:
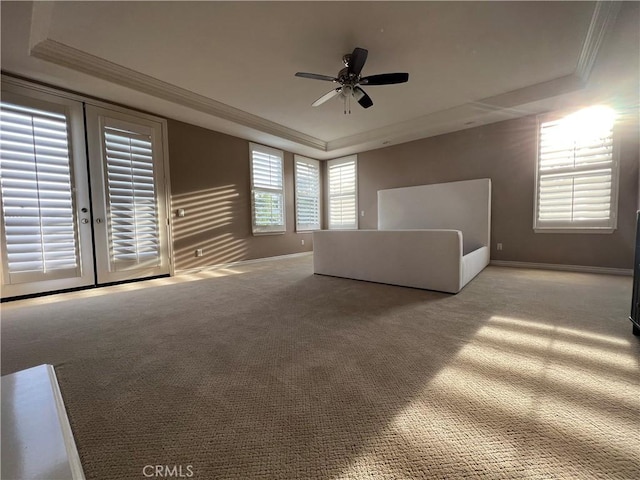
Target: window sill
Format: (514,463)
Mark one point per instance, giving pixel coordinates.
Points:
(574,230)
(260,234)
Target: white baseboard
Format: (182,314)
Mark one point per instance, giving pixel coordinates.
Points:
(564,268)
(241,262)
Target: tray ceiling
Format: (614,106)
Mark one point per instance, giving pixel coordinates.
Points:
(230,65)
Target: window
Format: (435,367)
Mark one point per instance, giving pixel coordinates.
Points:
(307,177)
(267,190)
(343,201)
(577,173)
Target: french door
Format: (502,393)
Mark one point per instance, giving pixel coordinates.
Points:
(55,235)
(46,229)
(128,195)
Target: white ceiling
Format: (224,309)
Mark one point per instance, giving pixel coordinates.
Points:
(230,65)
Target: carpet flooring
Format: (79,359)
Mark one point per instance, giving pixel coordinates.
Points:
(267,371)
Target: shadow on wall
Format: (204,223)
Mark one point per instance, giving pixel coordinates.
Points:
(207,225)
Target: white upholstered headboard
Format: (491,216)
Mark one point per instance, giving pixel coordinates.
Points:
(464,206)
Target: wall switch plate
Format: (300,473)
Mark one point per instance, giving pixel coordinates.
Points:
(362,213)
(499,246)
(199,252)
(302,242)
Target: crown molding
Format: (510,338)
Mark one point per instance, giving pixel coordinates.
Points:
(499,107)
(531,93)
(602,20)
(78,60)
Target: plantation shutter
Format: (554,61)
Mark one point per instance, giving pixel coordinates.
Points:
(37,199)
(131,197)
(576,173)
(267,181)
(342,193)
(307,194)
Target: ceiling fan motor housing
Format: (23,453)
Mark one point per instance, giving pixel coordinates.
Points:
(346,78)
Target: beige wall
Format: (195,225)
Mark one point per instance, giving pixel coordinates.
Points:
(506,153)
(210,180)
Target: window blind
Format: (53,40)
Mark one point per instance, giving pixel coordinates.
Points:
(37,202)
(133,212)
(307,194)
(267,181)
(342,193)
(576,172)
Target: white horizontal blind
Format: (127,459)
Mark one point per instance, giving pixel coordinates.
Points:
(342,193)
(132,203)
(307,194)
(37,200)
(267,187)
(576,172)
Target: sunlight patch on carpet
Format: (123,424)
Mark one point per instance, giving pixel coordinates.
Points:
(511,397)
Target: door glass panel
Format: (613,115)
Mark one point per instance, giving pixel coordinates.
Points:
(41,238)
(133,214)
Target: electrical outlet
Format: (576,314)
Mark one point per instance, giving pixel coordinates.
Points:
(180,212)
(499,246)
(302,242)
(199,252)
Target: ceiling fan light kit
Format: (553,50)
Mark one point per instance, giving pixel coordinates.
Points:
(350,80)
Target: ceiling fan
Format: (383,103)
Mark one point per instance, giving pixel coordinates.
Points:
(350,80)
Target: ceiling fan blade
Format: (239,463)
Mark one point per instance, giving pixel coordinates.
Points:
(315,76)
(358,58)
(327,96)
(385,79)
(363,99)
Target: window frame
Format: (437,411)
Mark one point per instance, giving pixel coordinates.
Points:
(580,227)
(339,161)
(273,229)
(316,164)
